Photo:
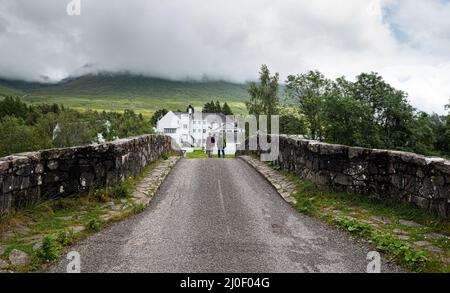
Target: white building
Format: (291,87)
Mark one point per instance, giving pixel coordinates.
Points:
(191,129)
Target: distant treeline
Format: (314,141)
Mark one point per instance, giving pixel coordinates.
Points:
(368,112)
(27,127)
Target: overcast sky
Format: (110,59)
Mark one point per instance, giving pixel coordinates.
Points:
(406,41)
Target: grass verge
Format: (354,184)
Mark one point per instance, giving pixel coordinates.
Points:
(200,154)
(43,230)
(405,234)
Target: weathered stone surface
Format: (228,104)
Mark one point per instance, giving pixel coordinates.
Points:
(399,175)
(434,235)
(78,229)
(18,258)
(281,183)
(400,232)
(434,249)
(3,264)
(6,235)
(422,243)
(30,177)
(382,220)
(409,223)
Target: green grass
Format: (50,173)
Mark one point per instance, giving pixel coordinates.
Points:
(53,221)
(200,154)
(358,215)
(122,91)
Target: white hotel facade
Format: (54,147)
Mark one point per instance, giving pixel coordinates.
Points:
(190,129)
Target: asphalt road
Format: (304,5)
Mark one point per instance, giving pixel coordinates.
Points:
(214,215)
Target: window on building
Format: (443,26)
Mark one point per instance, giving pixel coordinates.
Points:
(170,130)
(185,126)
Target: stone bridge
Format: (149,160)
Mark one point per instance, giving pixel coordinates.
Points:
(221,215)
(30,177)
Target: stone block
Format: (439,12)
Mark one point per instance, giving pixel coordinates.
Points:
(421,202)
(343,179)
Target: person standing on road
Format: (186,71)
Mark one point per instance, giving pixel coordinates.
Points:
(221,144)
(210,142)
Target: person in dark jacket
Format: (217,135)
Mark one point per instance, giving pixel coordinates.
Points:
(221,144)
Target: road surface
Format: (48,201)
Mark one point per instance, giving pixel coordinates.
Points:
(214,215)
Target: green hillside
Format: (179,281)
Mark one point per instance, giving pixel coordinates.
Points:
(123,91)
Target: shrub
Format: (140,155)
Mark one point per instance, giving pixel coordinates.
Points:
(94,224)
(139,208)
(50,249)
(122,190)
(65,237)
(100,195)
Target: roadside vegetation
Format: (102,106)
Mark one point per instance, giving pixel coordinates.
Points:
(367,112)
(200,154)
(28,128)
(43,231)
(407,235)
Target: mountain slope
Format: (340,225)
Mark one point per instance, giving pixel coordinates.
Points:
(124,91)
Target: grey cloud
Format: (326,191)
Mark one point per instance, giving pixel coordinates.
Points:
(218,39)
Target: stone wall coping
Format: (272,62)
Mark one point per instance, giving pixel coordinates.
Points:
(26,157)
(405,156)
(31,177)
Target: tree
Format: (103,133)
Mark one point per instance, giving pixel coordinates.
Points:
(209,107)
(226,110)
(217,107)
(424,134)
(292,121)
(10,106)
(444,140)
(72,130)
(310,90)
(158,115)
(390,110)
(18,137)
(348,121)
(264,95)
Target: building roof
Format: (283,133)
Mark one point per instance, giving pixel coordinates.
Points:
(210,117)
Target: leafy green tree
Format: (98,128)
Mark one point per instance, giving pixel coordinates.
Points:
(444,140)
(390,110)
(17,137)
(264,98)
(217,107)
(209,107)
(72,129)
(424,136)
(10,106)
(292,121)
(158,115)
(310,90)
(348,121)
(226,110)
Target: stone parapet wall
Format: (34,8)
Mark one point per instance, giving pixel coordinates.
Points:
(30,177)
(404,176)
